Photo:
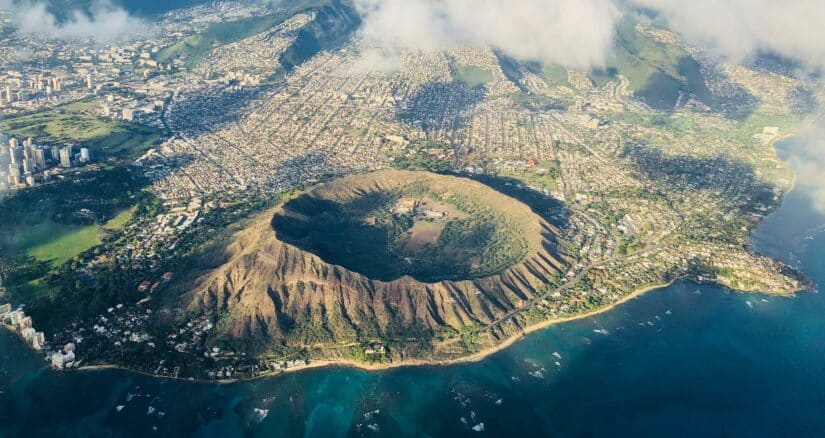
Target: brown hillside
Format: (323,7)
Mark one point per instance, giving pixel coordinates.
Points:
(271,293)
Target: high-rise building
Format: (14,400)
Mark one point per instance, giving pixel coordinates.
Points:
(66,157)
(15,153)
(14,175)
(8,93)
(40,158)
(55,153)
(84,155)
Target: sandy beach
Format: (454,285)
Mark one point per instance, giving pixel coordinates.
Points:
(475,357)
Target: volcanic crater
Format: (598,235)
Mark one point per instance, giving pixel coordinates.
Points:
(379,257)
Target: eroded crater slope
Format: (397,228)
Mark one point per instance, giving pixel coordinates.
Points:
(389,255)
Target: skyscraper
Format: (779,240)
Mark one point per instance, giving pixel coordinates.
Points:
(66,157)
(15,153)
(84,155)
(39,158)
(14,175)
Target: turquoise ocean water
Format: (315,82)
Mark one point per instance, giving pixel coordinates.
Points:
(687,360)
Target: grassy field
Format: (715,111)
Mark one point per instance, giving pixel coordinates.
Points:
(67,124)
(56,243)
(471,75)
(548,178)
(421,235)
(556,73)
(120,220)
(48,234)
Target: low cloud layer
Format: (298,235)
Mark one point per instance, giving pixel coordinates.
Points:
(808,162)
(104,22)
(738,29)
(573,33)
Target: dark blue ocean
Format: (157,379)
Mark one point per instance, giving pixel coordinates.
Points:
(687,360)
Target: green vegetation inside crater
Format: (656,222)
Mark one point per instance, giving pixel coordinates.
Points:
(407,231)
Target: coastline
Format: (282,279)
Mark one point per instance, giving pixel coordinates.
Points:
(475,357)
(347,363)
(773,144)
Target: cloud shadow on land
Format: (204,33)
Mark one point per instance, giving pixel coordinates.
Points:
(727,179)
(220,106)
(440,105)
(708,85)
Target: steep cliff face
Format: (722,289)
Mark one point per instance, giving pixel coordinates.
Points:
(334,23)
(278,294)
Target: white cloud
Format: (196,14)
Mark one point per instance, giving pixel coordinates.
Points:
(808,162)
(738,29)
(104,23)
(573,33)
